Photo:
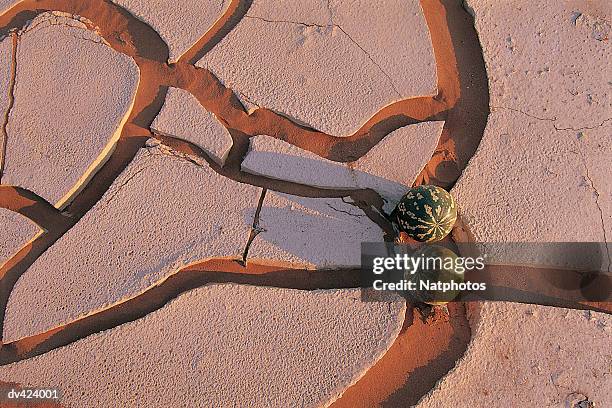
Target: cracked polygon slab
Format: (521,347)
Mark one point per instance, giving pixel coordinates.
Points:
(212,347)
(312,233)
(162,213)
(69,110)
(548,59)
(530,182)
(183,117)
(389,168)
(275,158)
(527,355)
(15,231)
(321,65)
(180,23)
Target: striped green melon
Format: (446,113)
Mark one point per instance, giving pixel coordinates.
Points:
(426,213)
(440,268)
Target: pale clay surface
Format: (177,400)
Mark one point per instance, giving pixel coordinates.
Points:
(211,347)
(532,181)
(330,68)
(533,194)
(548,59)
(91,89)
(183,117)
(180,23)
(525,356)
(16,231)
(555,184)
(410,147)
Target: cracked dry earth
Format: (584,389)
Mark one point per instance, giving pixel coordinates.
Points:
(185,185)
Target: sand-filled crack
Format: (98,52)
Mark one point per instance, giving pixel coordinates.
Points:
(234,12)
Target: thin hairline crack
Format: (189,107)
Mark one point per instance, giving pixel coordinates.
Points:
(553,119)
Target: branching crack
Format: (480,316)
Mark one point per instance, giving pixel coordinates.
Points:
(390,81)
(11,102)
(588,176)
(344,211)
(601,215)
(154,146)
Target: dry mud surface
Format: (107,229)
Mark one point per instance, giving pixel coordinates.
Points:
(185,185)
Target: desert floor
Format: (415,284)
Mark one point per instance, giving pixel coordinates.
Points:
(184,187)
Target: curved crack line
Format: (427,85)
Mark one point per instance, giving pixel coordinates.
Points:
(553,120)
(389,80)
(584,127)
(125,183)
(494,108)
(57,19)
(344,211)
(249,100)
